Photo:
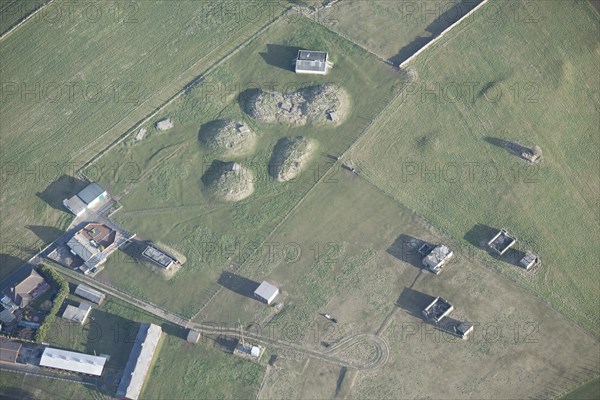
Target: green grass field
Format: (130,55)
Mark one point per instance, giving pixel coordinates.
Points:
(185,371)
(393,29)
(13,11)
(75,80)
(19,386)
(439,151)
(165,201)
(371,286)
(588,391)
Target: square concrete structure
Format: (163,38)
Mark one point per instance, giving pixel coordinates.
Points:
(266,292)
(164,124)
(437,310)
(529,260)
(193,336)
(502,242)
(139,361)
(311,62)
(71,361)
(435,260)
(77,314)
(159,257)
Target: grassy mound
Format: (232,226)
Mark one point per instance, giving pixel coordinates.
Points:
(230,138)
(228,181)
(323,104)
(290,156)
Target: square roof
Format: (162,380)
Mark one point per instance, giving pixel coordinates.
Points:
(266,291)
(91,192)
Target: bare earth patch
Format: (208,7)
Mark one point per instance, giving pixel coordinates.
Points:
(290,156)
(314,105)
(231,138)
(229,181)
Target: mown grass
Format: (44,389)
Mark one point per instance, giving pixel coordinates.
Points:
(78,76)
(365,278)
(189,371)
(20,386)
(394,29)
(164,197)
(439,149)
(588,391)
(13,11)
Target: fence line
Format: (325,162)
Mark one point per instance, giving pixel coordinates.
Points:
(448,29)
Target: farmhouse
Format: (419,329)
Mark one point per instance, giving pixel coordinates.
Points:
(9,351)
(90,294)
(266,292)
(26,287)
(139,361)
(71,361)
(159,257)
(502,242)
(437,310)
(77,314)
(311,62)
(89,244)
(435,260)
(89,197)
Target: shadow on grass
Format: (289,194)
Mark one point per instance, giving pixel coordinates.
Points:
(9,264)
(46,234)
(64,187)
(435,28)
(280,56)
(207,130)
(16,393)
(413,302)
(481,234)
(340,380)
(406,249)
(238,284)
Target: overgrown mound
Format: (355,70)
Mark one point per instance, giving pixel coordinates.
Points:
(323,104)
(229,181)
(231,138)
(290,156)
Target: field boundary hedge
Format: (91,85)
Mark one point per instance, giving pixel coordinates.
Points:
(63,290)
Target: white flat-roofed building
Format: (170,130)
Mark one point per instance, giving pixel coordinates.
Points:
(91,195)
(139,361)
(311,62)
(71,361)
(266,292)
(90,294)
(159,257)
(77,314)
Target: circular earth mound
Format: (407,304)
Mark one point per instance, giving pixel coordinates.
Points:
(231,138)
(323,104)
(229,181)
(290,156)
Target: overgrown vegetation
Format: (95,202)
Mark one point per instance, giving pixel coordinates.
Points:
(62,290)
